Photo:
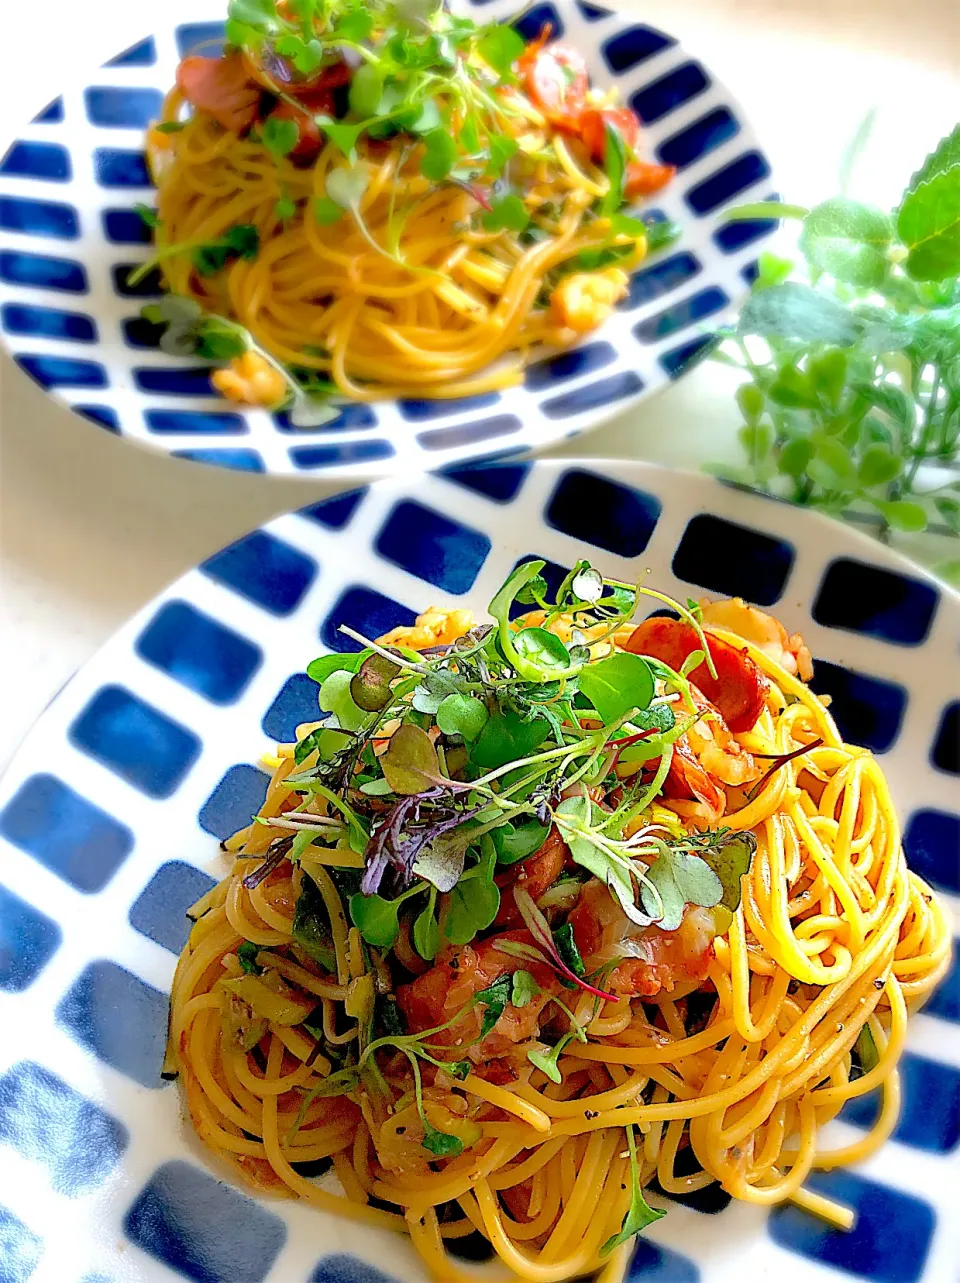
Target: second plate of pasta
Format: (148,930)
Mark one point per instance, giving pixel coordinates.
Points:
(373,237)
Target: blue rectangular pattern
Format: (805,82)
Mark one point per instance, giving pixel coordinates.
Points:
(671,91)
(681,315)
(47,161)
(265,570)
(552,571)
(119,1018)
(500,482)
(728,182)
(932,843)
(174,381)
(349,418)
(135,740)
(48,323)
(102,415)
(660,278)
(602,512)
(603,392)
(125,227)
(28,940)
(862,598)
(49,1122)
(114,108)
(224,424)
(46,273)
(330,456)
(20,1249)
(149,286)
(734,560)
(633,46)
(39,218)
(201,37)
(203,1229)
(142,54)
(945,754)
(159,911)
(120,167)
(295,703)
(52,114)
(63,372)
(335,513)
(532,22)
(654,1264)
(679,359)
(868,710)
(501,425)
(234,460)
(889,1240)
(67,834)
(235,800)
(199,652)
(699,139)
(418,410)
(365,611)
(734,236)
(569,365)
(431,546)
(945,999)
(930,1119)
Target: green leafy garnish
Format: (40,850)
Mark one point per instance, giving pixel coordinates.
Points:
(639,1214)
(247,953)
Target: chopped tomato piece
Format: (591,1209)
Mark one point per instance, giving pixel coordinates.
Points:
(593,129)
(220,86)
(739,689)
(309,140)
(537,872)
(643,178)
(557,83)
(652,960)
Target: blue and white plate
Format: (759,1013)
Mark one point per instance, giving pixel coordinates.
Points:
(111,812)
(69,238)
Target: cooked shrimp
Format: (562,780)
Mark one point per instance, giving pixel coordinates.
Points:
(766,633)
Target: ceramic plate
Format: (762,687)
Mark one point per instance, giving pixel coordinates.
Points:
(69,238)
(111,812)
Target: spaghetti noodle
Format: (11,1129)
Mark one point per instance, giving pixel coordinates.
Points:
(314,1020)
(414,226)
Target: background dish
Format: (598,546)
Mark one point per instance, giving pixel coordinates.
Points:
(68,238)
(110,811)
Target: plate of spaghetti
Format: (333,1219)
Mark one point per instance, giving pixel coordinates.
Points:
(378,235)
(568,916)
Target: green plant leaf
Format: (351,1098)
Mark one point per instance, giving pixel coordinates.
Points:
(902,514)
(640,1214)
(849,240)
(494,998)
(763,209)
(680,879)
(566,944)
(327,211)
(426,933)
(441,862)
(370,686)
(321,668)
(617,684)
(507,738)
(441,1143)
(471,907)
(794,457)
(794,311)
(523,988)
(279,136)
(878,466)
(410,764)
(866,1050)
(375,919)
(615,164)
(730,860)
(500,47)
(462,715)
(334,697)
(247,954)
(366,89)
(944,156)
(542,650)
(506,212)
(515,842)
(929,225)
(440,155)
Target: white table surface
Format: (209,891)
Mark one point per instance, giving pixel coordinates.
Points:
(91,528)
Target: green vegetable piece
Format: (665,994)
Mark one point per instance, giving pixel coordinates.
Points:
(247,953)
(370,686)
(751,401)
(440,155)
(617,684)
(640,1214)
(494,999)
(566,944)
(904,515)
(615,165)
(660,234)
(516,842)
(730,860)
(828,375)
(794,457)
(327,211)
(866,1050)
(462,715)
(848,240)
(680,879)
(879,465)
(320,669)
(523,988)
(366,88)
(793,388)
(508,738)
(346,186)
(426,933)
(502,150)
(471,907)
(928,221)
(280,136)
(334,697)
(441,1143)
(410,763)
(507,213)
(500,47)
(544,651)
(375,918)
(311,928)
(149,216)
